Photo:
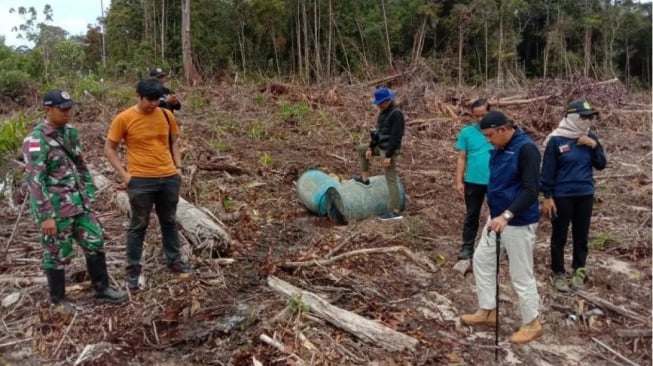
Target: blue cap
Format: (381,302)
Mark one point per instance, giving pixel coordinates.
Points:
(381,95)
(581,107)
(57,98)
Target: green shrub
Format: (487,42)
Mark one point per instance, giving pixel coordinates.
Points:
(90,85)
(13,83)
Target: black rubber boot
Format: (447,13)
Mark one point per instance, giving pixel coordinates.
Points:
(57,284)
(97,268)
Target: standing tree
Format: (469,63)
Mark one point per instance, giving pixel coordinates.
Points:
(190,72)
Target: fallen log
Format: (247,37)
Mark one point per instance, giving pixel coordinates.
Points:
(207,235)
(607,304)
(502,103)
(424,262)
(365,329)
(632,333)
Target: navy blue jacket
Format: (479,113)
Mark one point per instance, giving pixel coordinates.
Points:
(567,167)
(508,187)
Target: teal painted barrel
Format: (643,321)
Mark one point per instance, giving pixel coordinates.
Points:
(312,187)
(351,201)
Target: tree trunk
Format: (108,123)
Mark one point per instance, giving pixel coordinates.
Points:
(316,40)
(190,72)
(298,31)
(329,42)
(460,53)
(307,52)
(587,50)
(486,46)
(500,56)
(163,29)
(387,34)
(276,53)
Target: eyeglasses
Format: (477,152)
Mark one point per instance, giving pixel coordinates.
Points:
(161,77)
(590,117)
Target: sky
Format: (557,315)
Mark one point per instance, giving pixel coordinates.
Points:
(71,15)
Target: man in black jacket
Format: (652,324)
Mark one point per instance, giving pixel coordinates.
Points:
(169,99)
(385,142)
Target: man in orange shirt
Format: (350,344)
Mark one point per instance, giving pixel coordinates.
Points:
(153,174)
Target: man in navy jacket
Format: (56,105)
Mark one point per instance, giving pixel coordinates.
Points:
(514,213)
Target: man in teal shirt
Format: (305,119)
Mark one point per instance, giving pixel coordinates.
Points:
(472,174)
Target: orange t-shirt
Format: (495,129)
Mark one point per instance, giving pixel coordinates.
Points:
(146,138)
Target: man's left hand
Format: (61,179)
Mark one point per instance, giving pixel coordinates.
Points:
(587,141)
(387,162)
(498,224)
(171,99)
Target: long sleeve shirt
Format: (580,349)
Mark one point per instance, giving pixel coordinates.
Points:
(58,180)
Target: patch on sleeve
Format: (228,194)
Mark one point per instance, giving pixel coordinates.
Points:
(33,144)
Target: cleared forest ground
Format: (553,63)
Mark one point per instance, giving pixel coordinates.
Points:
(272,135)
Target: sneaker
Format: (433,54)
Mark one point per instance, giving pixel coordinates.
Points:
(359,180)
(527,332)
(133,273)
(181,268)
(465,253)
(560,283)
(391,216)
(579,278)
(480,317)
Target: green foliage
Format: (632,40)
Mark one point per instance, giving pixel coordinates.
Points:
(298,111)
(295,304)
(266,160)
(228,203)
(88,84)
(260,100)
(197,102)
(121,97)
(13,82)
(257,130)
(14,130)
(599,241)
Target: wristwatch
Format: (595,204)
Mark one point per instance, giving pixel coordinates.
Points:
(507,215)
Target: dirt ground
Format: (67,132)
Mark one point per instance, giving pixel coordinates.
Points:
(272,135)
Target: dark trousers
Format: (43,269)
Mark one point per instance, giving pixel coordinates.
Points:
(474,197)
(576,211)
(163,194)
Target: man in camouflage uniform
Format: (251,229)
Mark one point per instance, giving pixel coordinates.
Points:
(60,192)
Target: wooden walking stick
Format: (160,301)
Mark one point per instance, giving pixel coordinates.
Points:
(496,329)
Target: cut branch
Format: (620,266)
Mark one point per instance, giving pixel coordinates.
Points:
(424,262)
(362,328)
(632,333)
(607,304)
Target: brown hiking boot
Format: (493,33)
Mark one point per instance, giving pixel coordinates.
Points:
(527,332)
(480,317)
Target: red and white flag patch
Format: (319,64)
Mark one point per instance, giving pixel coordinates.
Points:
(33,145)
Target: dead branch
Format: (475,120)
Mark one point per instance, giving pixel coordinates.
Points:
(608,81)
(614,352)
(362,328)
(13,232)
(280,347)
(503,103)
(212,167)
(323,262)
(632,333)
(607,304)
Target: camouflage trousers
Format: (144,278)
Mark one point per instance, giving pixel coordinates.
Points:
(83,228)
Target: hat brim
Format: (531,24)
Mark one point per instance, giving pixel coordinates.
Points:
(588,112)
(67,104)
(379,101)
